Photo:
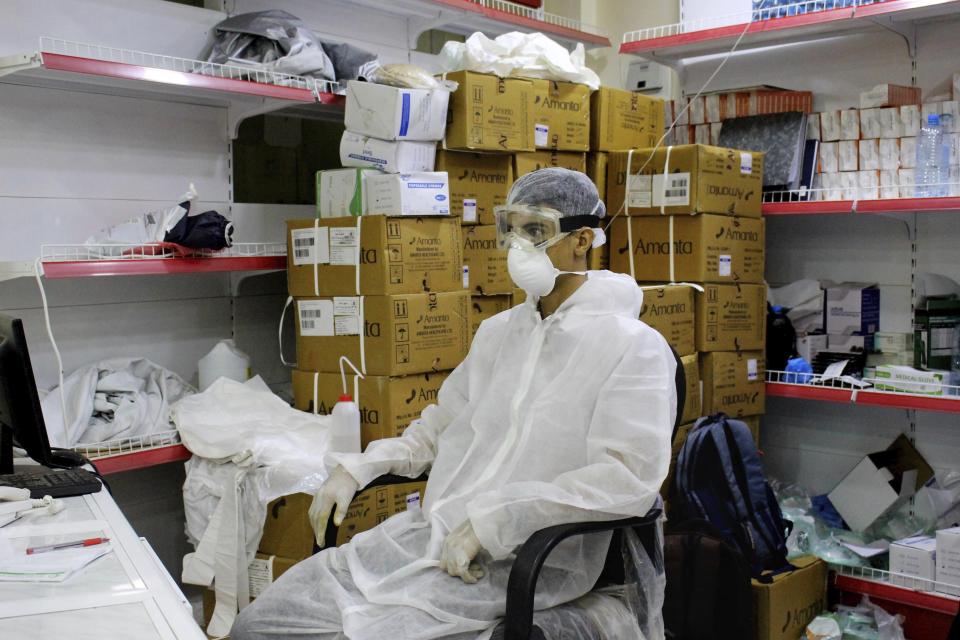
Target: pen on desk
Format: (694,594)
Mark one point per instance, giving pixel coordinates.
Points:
(89,542)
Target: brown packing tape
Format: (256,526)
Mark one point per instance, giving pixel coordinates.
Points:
(733,383)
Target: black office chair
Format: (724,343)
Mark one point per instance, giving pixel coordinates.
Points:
(517,622)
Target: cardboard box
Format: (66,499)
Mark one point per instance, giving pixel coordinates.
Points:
(524,163)
(950,108)
(934,325)
(785,606)
(810,345)
(879,483)
(868,185)
(888,341)
(698,110)
(488,113)
(692,401)
(851,307)
(948,561)
(561,115)
(907,179)
(715,129)
(914,557)
(670,310)
(712,107)
(375,504)
(391,113)
(706,248)
(829,157)
(624,120)
(929,108)
(849,343)
(889,155)
(733,382)
(485,264)
(910,120)
(287,531)
(387,405)
(849,152)
(869,155)
(597,171)
(731,317)
(478,183)
(340,192)
(485,307)
(850,125)
(870,125)
(830,126)
(908,153)
(813,126)
(889,95)
(910,380)
(850,185)
(424,193)
(889,185)
(403,334)
(397,255)
(392,157)
(890,123)
(262,572)
(700,179)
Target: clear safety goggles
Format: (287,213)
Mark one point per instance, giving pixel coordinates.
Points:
(542,227)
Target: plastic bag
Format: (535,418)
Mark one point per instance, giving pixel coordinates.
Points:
(870,622)
(407,76)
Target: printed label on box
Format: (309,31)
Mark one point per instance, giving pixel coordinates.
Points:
(746,163)
(469,210)
(261,575)
(638,191)
(466,276)
(316,317)
(672,191)
(310,246)
(346,306)
(724,267)
(343,246)
(752,369)
(541,134)
(346,325)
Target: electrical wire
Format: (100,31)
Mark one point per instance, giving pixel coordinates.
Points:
(676,119)
(38,272)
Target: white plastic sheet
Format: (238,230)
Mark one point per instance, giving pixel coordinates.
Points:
(531,55)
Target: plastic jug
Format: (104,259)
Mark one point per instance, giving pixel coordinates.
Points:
(345,427)
(225,360)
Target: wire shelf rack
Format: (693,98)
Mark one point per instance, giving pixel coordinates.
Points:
(874,385)
(154,251)
(742,17)
(124,446)
(163,63)
(896,579)
(539,14)
(889,191)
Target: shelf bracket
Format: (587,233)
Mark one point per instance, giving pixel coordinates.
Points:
(237,114)
(418,26)
(907,31)
(19,62)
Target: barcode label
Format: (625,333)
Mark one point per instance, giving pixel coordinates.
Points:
(310,246)
(316,317)
(752,369)
(671,190)
(725,266)
(469,210)
(541,135)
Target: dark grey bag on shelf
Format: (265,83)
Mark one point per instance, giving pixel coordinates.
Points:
(781,136)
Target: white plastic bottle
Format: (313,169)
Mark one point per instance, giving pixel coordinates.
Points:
(225,360)
(345,427)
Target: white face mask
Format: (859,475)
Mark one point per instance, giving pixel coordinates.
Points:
(531,269)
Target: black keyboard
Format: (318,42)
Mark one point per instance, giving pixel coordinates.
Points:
(57,483)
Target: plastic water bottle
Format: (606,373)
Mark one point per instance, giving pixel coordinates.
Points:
(225,360)
(345,427)
(930,160)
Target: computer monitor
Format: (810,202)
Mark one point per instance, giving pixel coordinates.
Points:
(21,418)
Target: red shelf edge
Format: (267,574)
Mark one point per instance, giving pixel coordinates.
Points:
(864,397)
(90,66)
(161,266)
(893,205)
(142,459)
(777,24)
(530,23)
(894,593)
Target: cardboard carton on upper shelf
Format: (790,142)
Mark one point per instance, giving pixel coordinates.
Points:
(425,193)
(484,307)
(396,255)
(851,307)
(705,248)
(731,317)
(392,113)
(733,382)
(850,124)
(524,163)
(830,130)
(488,113)
(387,405)
(889,95)
(791,600)
(400,334)
(561,115)
(478,183)
(879,483)
(698,179)
(910,120)
(485,264)
(401,156)
(340,192)
(624,120)
(670,310)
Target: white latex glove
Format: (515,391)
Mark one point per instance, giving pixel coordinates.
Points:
(459,550)
(338,490)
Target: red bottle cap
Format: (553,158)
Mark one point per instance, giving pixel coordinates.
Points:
(346,398)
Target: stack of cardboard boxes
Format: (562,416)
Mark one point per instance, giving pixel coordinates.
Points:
(693,217)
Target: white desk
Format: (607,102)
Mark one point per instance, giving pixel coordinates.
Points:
(124,594)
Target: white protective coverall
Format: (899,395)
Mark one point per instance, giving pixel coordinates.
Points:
(547,421)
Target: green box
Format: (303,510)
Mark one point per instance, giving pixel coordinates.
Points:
(933,328)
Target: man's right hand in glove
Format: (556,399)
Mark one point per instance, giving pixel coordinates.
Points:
(338,490)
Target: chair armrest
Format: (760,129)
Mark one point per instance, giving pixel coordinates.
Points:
(522,584)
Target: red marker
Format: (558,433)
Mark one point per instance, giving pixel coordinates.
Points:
(89,542)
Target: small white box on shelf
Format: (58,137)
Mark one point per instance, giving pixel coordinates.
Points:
(950,142)
(698,111)
(357,150)
(809,346)
(813,126)
(712,106)
(889,154)
(831,186)
(829,157)
(954,186)
(715,128)
(682,115)
(948,555)
(869,155)
(390,113)
(850,185)
(928,109)
(830,126)
(702,135)
(950,108)
(910,120)
(908,153)
(907,179)
(849,155)
(890,123)
(913,558)
(850,125)
(730,106)
(869,183)
(889,185)
(870,123)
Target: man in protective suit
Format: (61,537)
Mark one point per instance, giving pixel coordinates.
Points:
(562,412)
